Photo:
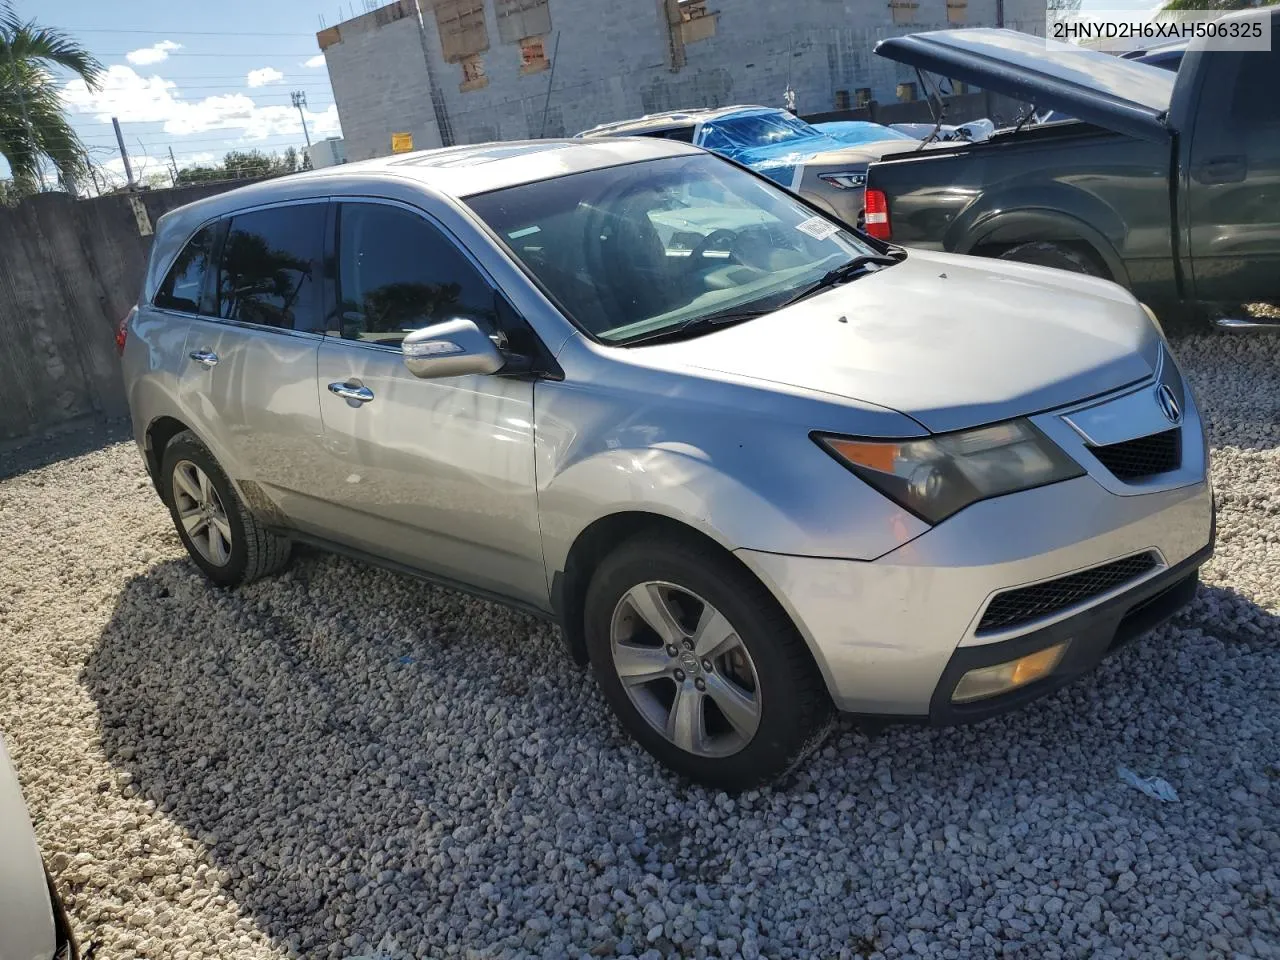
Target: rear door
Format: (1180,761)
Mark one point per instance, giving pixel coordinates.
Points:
(250,383)
(435,474)
(1232,178)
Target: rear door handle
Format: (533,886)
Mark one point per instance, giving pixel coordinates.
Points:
(1222,170)
(354,393)
(206,357)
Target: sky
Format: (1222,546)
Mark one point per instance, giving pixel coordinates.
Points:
(200,78)
(204,78)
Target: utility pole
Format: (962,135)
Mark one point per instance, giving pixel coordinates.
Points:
(299,99)
(124,154)
(174,164)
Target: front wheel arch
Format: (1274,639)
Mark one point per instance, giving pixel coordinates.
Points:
(590,547)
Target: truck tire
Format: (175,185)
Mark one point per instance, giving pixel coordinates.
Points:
(1056,255)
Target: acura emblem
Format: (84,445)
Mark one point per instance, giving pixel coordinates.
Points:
(1168,403)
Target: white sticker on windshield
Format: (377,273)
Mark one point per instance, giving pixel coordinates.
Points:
(818,228)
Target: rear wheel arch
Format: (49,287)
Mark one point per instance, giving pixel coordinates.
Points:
(159,432)
(1000,234)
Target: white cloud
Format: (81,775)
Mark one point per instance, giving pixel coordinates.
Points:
(263,76)
(314,62)
(152,54)
(137,99)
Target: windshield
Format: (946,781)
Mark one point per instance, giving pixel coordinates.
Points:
(761,129)
(632,250)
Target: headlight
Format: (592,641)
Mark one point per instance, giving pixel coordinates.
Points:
(1155,321)
(935,477)
(845,181)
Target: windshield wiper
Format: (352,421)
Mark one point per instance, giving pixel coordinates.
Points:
(696,325)
(844,272)
(725,318)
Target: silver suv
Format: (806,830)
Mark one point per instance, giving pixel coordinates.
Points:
(756,465)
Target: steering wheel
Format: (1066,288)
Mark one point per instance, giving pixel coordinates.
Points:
(720,239)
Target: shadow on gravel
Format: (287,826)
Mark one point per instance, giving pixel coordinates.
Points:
(364,754)
(69,440)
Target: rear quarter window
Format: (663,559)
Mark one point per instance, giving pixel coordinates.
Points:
(184,286)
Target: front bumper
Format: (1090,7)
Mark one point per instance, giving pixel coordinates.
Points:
(890,634)
(1091,636)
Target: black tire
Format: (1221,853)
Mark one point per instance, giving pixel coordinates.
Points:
(255,552)
(795,710)
(1054,255)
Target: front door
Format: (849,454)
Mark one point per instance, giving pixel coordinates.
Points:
(250,382)
(1233,179)
(436,474)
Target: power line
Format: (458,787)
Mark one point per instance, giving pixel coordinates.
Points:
(189,33)
(169,54)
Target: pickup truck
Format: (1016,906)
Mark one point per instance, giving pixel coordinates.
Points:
(1167,183)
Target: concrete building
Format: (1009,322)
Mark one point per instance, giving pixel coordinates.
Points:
(469,71)
(328,152)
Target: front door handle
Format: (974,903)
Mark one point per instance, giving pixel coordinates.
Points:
(354,393)
(206,357)
(1230,169)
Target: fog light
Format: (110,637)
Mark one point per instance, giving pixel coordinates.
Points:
(989,681)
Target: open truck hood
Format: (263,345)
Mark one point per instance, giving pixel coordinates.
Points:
(1121,95)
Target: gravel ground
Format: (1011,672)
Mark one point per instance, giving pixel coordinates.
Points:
(343,757)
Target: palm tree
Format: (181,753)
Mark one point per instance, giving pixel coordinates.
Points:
(33,124)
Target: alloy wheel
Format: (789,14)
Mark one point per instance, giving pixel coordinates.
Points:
(201,513)
(685,669)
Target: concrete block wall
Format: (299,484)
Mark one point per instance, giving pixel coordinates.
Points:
(380,83)
(614,63)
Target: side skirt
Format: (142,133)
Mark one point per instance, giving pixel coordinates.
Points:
(394,566)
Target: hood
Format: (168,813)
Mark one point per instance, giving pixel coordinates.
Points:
(952,342)
(1122,95)
(26,917)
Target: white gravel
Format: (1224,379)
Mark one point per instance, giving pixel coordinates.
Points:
(311,765)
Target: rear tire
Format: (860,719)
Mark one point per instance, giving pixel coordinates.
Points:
(748,656)
(1054,255)
(227,542)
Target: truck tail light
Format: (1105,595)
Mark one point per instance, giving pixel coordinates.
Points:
(877,215)
(122,331)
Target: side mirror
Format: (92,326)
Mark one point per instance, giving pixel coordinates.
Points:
(454,348)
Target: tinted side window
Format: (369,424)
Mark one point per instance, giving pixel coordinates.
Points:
(269,273)
(1252,99)
(397,272)
(683,134)
(183,286)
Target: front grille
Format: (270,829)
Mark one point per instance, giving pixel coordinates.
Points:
(1025,604)
(1143,457)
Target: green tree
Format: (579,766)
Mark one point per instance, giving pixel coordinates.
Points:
(33,124)
(244,165)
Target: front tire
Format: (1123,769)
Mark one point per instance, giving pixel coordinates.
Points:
(227,542)
(701,665)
